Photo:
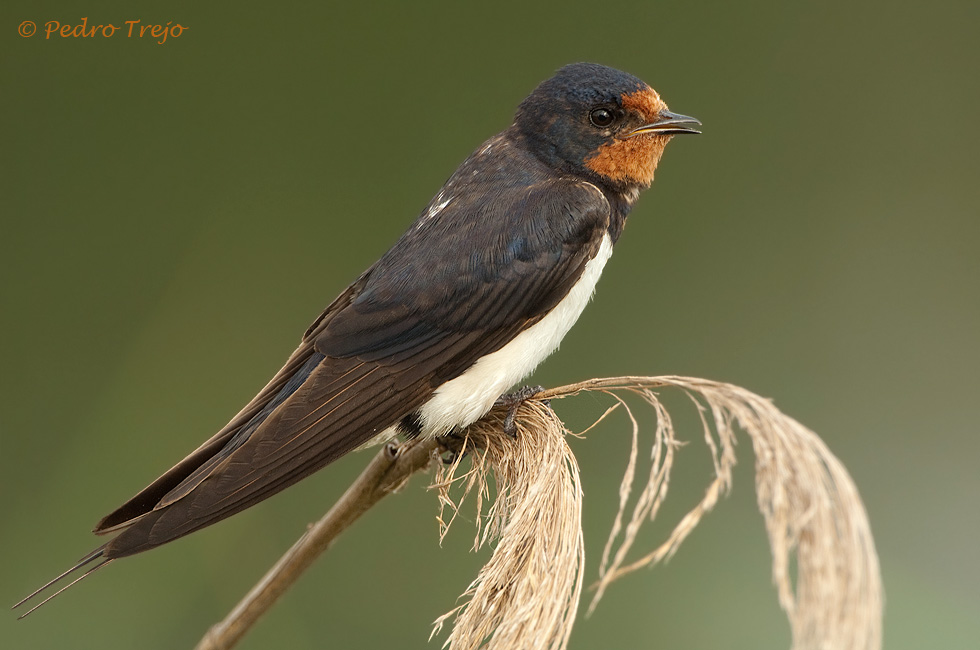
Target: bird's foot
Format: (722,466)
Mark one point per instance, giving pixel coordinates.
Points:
(452,446)
(513,402)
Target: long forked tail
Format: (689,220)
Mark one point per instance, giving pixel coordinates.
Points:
(88,559)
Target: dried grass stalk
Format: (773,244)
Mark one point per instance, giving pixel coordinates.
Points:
(527,594)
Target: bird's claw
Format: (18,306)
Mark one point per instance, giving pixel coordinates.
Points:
(452,444)
(513,402)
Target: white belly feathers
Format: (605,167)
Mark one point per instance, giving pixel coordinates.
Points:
(465,399)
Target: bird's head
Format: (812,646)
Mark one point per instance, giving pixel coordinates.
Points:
(600,122)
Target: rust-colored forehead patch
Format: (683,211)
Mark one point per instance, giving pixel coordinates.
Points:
(646,102)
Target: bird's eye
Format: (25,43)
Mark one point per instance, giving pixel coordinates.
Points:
(601,117)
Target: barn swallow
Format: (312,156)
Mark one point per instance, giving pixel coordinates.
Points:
(478,291)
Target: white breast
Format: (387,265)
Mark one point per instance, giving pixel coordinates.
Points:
(467,398)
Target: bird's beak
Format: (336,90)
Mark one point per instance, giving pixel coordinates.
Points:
(668,124)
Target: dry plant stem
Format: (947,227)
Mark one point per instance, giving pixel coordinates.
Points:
(810,505)
(527,593)
(388,471)
(812,510)
(607,383)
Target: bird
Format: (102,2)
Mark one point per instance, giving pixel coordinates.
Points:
(478,291)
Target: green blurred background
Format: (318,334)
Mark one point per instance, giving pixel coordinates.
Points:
(175,215)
